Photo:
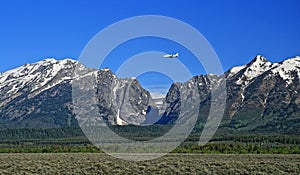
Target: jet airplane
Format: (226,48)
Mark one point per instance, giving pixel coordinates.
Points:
(171,55)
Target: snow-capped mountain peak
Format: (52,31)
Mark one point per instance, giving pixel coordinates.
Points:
(260,58)
(36,76)
(259,63)
(244,75)
(255,68)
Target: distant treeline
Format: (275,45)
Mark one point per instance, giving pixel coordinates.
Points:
(39,133)
(238,148)
(72,139)
(210,148)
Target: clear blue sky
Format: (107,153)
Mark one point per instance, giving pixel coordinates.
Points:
(32,30)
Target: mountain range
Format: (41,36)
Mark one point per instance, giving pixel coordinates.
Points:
(261,97)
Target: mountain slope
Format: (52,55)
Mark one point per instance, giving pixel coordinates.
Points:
(261,97)
(264,96)
(40,95)
(33,91)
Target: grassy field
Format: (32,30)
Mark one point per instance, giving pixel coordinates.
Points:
(99,163)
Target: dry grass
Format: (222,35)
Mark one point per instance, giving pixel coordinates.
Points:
(83,163)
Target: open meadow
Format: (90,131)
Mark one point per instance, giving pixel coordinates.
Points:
(99,163)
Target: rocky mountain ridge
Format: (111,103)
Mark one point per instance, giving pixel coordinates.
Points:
(260,96)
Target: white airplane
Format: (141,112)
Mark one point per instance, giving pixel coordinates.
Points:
(171,55)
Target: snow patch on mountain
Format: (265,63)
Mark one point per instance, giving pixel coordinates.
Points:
(286,69)
(233,71)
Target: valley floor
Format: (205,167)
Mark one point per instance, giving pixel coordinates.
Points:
(99,163)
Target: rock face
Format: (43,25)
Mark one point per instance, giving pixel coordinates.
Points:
(264,96)
(261,96)
(37,95)
(40,95)
(124,99)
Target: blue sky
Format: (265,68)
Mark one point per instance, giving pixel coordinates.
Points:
(32,30)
